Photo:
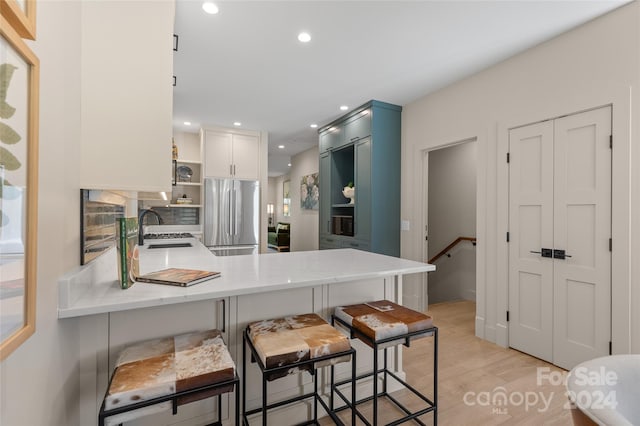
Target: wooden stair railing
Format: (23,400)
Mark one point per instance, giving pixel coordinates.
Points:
(450,246)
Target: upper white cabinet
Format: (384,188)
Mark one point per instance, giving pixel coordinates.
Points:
(231,154)
(126,70)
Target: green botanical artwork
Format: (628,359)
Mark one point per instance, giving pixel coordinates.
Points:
(309,192)
(6,72)
(8,136)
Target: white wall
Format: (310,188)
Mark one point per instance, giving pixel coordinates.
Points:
(188,144)
(39,381)
(452,214)
(593,65)
(304,223)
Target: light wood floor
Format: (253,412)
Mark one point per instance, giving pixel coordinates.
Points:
(472,372)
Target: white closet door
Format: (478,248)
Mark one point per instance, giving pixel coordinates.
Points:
(531,229)
(582,227)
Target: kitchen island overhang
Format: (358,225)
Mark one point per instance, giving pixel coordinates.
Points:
(93,288)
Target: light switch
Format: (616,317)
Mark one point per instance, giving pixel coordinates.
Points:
(404,226)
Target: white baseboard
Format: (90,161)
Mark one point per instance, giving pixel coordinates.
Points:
(502,335)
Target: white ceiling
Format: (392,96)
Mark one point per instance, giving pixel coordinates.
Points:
(245,63)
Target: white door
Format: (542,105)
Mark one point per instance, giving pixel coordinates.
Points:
(582,227)
(560,201)
(531,230)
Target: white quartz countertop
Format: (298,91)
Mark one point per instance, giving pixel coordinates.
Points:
(93,289)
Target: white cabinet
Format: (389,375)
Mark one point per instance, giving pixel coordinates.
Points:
(126,95)
(231,154)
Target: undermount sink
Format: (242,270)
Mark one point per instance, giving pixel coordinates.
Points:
(169,245)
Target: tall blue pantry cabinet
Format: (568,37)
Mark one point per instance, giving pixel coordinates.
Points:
(362,148)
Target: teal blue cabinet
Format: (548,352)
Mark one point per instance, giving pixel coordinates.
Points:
(324,212)
(358,127)
(331,138)
(362,211)
(363,148)
(330,242)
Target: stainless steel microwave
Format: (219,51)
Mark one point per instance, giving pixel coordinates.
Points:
(342,225)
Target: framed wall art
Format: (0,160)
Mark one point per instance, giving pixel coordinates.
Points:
(309,192)
(21,15)
(19,94)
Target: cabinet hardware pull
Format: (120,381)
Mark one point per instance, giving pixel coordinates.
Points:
(560,254)
(544,252)
(224,315)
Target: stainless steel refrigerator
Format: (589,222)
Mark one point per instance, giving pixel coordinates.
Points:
(231,216)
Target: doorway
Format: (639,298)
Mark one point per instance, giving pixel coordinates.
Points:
(450,218)
(559,238)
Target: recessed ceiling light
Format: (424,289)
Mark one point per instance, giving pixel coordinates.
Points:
(304,37)
(187,123)
(344,108)
(237,123)
(210,7)
(289,165)
(281,146)
(313,126)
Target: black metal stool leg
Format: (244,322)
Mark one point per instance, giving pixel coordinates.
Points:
(384,375)
(353,389)
(435,377)
(264,400)
(220,409)
(244,379)
(315,395)
(375,385)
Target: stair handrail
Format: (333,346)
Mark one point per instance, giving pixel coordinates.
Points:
(450,246)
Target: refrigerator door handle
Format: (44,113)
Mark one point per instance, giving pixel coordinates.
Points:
(235,211)
(229,212)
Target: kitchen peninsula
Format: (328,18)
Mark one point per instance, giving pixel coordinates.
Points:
(250,288)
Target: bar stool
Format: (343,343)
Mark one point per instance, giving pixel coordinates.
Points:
(161,374)
(292,345)
(383,324)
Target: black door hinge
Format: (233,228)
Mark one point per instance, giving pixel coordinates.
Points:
(508,157)
(610,347)
(507,316)
(610,141)
(610,244)
(507,236)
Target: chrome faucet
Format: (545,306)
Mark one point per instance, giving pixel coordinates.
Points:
(143,213)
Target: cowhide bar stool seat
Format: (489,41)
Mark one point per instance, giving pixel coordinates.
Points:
(293,345)
(161,374)
(383,324)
